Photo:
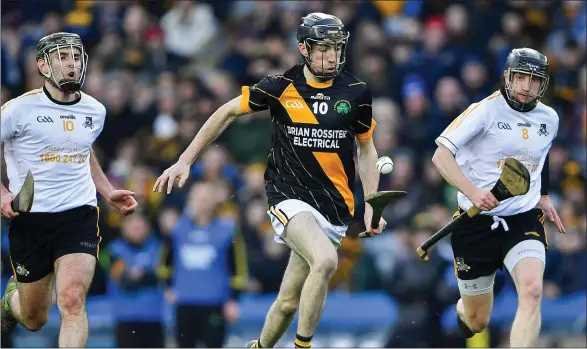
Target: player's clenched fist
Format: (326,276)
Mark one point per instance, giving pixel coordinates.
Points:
(368,217)
(483,199)
(7,211)
(180,170)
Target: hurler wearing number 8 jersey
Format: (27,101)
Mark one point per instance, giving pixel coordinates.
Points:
(512,122)
(50,132)
(319,114)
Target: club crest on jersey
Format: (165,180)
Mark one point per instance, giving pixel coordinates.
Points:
(543,131)
(89,122)
(342,107)
(460,264)
(22,271)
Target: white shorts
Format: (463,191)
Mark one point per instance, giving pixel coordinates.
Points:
(281,213)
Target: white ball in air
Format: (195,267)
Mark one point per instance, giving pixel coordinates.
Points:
(384,165)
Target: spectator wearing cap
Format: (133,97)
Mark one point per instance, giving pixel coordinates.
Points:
(158,60)
(415,130)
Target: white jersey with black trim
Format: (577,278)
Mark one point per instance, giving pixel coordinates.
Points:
(487,133)
(53,140)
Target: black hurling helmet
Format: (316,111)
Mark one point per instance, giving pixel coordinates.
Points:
(323,29)
(72,44)
(526,61)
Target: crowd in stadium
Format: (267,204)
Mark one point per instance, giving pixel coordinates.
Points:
(161,68)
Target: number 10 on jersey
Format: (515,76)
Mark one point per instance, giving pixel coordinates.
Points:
(68,125)
(320,107)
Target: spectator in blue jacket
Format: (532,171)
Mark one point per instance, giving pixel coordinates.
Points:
(134,286)
(207,260)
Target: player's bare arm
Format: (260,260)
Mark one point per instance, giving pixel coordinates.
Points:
(122,199)
(370,180)
(212,128)
(5,194)
(446,164)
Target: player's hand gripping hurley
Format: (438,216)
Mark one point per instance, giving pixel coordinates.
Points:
(378,201)
(22,202)
(513,181)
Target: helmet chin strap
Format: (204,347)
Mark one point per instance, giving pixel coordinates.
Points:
(321,77)
(69,87)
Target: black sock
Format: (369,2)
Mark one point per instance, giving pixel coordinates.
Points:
(467,332)
(303,342)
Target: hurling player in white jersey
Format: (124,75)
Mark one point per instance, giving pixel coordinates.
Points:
(471,151)
(50,131)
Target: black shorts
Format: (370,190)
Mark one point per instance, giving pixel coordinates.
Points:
(480,251)
(37,239)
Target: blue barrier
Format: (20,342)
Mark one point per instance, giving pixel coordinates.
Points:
(342,310)
(360,315)
(358,310)
(344,313)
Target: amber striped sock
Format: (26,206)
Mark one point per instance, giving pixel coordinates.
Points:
(303,342)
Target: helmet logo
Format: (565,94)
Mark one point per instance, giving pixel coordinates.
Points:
(532,67)
(68,40)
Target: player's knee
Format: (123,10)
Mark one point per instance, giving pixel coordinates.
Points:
(71,300)
(35,321)
(530,293)
(325,264)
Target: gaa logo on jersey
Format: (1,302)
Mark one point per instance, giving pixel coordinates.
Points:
(42,119)
(342,107)
(89,122)
(504,126)
(294,104)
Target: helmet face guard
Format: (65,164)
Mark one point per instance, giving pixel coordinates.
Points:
(324,38)
(68,47)
(534,99)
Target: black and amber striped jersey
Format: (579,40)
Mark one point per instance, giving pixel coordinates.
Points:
(313,141)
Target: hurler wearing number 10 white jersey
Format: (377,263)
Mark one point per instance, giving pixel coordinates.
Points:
(50,132)
(512,122)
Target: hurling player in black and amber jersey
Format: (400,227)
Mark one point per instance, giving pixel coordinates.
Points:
(319,113)
(315,124)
